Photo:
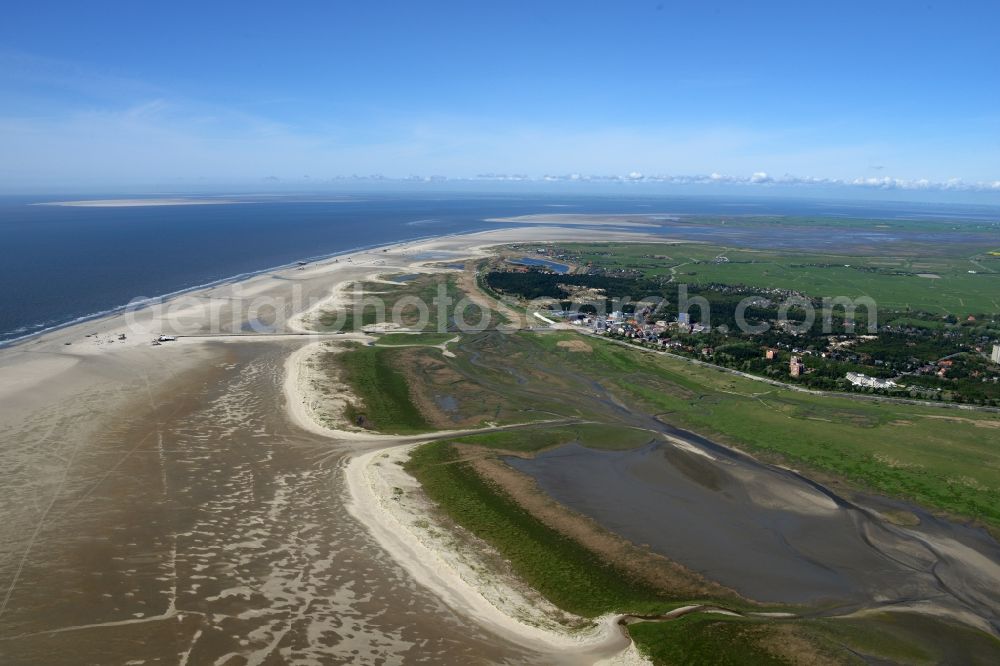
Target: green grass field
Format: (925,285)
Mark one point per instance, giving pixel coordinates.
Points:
(948,464)
(941,458)
(575,579)
(383,390)
(700,639)
(411,304)
(561,569)
(945,459)
(954,291)
(880,638)
(408,339)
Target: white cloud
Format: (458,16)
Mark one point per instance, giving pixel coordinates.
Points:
(63,125)
(162,140)
(761,178)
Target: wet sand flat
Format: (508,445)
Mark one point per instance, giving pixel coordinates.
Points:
(159,505)
(195,525)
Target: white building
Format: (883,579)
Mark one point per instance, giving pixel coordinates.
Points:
(859,379)
(995,357)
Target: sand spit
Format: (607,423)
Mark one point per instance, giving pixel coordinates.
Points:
(388,501)
(141,203)
(581,219)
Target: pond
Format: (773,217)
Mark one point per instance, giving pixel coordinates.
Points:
(534,261)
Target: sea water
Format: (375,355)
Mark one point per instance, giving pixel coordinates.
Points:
(63,264)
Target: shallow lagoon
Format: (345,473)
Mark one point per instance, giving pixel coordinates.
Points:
(765,531)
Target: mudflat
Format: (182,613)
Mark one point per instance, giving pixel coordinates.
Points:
(161,502)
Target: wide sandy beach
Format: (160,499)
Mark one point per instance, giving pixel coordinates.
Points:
(180,499)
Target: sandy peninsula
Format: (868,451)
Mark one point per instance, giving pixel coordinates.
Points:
(142,203)
(171,471)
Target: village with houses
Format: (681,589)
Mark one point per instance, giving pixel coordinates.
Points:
(955,364)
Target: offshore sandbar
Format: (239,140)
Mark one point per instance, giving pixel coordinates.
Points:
(142,203)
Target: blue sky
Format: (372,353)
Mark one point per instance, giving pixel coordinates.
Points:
(113,95)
